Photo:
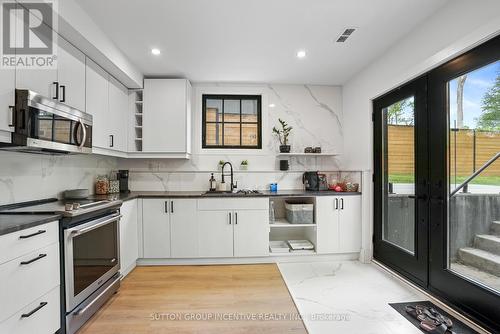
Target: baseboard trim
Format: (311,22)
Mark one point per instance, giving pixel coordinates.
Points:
(433,299)
(249,260)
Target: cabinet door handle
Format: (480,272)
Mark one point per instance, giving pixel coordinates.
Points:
(341,204)
(236,218)
(12,116)
(41,256)
(36,309)
(57,90)
(336,204)
(166,206)
(230,218)
(111,140)
(172,206)
(63,93)
(32,234)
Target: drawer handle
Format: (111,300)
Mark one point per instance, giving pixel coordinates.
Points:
(32,234)
(41,256)
(36,309)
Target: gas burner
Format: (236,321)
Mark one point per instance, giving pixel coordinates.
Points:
(248,192)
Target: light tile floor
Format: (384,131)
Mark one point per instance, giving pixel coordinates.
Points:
(353,295)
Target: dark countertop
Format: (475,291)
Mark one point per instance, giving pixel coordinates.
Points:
(200,194)
(16,222)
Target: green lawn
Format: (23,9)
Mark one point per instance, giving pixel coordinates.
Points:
(485,180)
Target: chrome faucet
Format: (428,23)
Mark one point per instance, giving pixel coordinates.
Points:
(233,185)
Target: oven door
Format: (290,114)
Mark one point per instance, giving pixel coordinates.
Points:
(92,256)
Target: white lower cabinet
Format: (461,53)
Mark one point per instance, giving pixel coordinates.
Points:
(338,224)
(183,228)
(251,233)
(30,277)
(156,228)
(44,320)
(169,228)
(215,233)
(206,228)
(129,241)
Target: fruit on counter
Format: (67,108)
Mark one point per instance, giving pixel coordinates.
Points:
(338,188)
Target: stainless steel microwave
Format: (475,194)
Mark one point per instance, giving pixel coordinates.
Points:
(43,125)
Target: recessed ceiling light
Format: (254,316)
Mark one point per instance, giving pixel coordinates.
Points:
(272,105)
(155,51)
(301,54)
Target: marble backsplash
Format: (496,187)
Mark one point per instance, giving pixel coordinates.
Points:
(25,177)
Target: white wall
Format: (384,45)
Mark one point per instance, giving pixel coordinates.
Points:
(315,112)
(457,27)
(25,177)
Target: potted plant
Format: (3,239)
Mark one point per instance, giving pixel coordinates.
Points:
(244,165)
(221,163)
(282,135)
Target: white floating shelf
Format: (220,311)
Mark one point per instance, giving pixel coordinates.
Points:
(307,154)
(284,223)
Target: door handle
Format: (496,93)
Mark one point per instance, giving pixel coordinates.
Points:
(63,93)
(236,218)
(230,218)
(57,90)
(166,206)
(12,116)
(341,204)
(111,140)
(172,206)
(336,204)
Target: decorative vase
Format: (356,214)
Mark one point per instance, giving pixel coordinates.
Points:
(285,148)
(243,167)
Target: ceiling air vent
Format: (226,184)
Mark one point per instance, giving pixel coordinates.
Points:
(345,35)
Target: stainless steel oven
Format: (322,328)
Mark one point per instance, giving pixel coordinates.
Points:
(42,125)
(92,257)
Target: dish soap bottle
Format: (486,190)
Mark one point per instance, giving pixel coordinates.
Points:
(213,183)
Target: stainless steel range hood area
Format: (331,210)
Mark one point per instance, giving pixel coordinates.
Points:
(47,126)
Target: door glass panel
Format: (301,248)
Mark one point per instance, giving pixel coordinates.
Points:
(474,207)
(398,172)
(94,254)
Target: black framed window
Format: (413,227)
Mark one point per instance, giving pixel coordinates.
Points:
(232,121)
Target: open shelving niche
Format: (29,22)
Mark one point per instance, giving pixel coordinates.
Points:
(137,110)
(282,230)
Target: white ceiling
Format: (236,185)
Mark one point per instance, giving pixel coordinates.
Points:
(256,40)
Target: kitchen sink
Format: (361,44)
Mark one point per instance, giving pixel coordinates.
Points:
(229,194)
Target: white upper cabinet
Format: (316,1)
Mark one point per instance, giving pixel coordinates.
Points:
(97,103)
(71,75)
(118,116)
(167,116)
(65,83)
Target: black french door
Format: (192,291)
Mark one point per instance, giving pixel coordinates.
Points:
(437,182)
(462,266)
(401,174)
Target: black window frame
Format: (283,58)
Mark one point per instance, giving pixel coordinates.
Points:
(223,97)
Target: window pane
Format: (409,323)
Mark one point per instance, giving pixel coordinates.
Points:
(213,134)
(249,110)
(232,134)
(399,174)
(249,135)
(231,110)
(214,110)
(474,139)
